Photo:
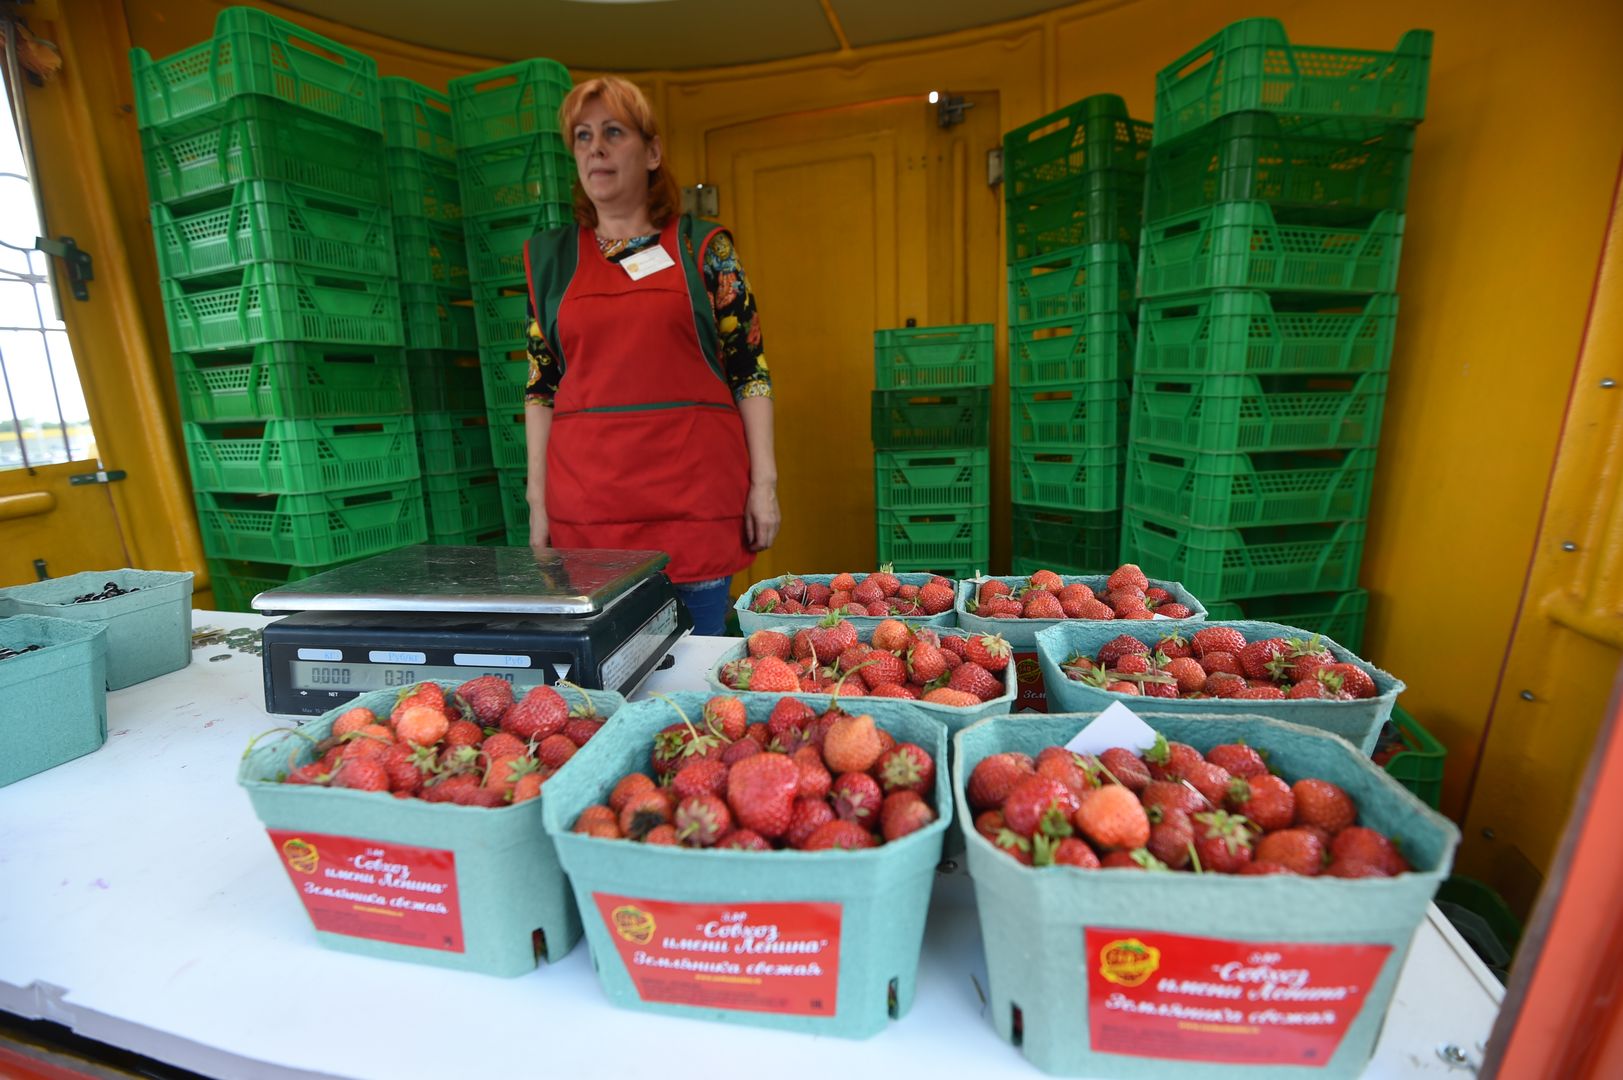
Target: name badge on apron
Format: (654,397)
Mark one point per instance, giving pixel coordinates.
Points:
(647,261)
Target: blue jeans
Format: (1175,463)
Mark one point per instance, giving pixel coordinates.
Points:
(707,602)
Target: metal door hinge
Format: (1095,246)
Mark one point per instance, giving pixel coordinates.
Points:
(100,476)
(994,167)
(702,200)
(75,258)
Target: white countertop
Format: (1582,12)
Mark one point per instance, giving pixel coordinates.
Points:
(140,905)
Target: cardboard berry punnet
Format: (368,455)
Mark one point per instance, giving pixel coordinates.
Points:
(467,887)
(823,942)
(149,623)
(1146,973)
(750,620)
(60,670)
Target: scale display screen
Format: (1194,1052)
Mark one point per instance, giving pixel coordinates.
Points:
(360,678)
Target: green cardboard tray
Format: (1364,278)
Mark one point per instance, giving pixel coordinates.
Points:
(64,683)
(881,895)
(514,905)
(1035,922)
(1359,722)
(149,632)
(1022,633)
(751,621)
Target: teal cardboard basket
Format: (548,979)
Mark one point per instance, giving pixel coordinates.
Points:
(1135,974)
(751,621)
(1022,633)
(149,630)
(824,942)
(1359,722)
(58,693)
(465,887)
(953,717)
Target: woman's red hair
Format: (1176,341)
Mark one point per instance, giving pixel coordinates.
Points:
(626,103)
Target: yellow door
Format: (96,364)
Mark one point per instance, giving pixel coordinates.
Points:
(850,220)
(51,526)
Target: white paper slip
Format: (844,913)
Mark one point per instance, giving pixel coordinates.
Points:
(647,261)
(1116,726)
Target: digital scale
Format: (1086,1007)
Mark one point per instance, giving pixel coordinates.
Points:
(600,619)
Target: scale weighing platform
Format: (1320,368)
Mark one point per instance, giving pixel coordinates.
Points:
(600,619)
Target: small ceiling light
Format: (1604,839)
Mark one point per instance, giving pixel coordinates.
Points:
(935,96)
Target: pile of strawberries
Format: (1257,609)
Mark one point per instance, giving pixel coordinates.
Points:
(1173,809)
(1218,662)
(878,595)
(899,661)
(478,747)
(801,780)
(1127,594)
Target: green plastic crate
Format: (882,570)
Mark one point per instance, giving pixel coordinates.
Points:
(285,380)
(907,478)
(437,318)
(149,628)
(1101,208)
(416,118)
(931,357)
(422,185)
(63,682)
(1087,136)
(1241,245)
(1335,615)
(922,420)
(507,439)
(1074,477)
(751,621)
(508,102)
(261,139)
(511,176)
(1050,933)
(1093,349)
(1217,414)
(454,443)
(870,906)
(515,505)
(252,52)
(272,221)
(235,583)
(301,456)
(1334,170)
(1248,331)
(956,536)
(496,244)
(1418,765)
(502,315)
(311,530)
(1064,540)
(444,381)
(1240,563)
(431,254)
(1081,414)
(1093,279)
(1251,64)
(506,376)
(280,302)
(1231,491)
(511,904)
(463,503)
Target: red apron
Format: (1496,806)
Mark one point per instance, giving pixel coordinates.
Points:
(647,448)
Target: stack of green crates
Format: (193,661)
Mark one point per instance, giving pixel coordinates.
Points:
(516,174)
(931,408)
(461,491)
(277,259)
(1074,187)
(1274,212)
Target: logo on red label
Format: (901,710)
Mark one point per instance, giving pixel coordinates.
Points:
(374,889)
(778,958)
(1032,695)
(1160,995)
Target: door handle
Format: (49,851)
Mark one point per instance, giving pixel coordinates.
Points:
(27,504)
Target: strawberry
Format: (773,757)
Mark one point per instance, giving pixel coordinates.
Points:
(852,744)
(817,595)
(662,836)
(1352,868)
(767,643)
(554,750)
(1212,781)
(935,598)
(856,797)
(1313,688)
(372,741)
(839,836)
(315,772)
(700,776)
(1038,802)
(725,717)
(1301,661)
(701,820)
(882,667)
(1069,852)
(926,662)
(1173,610)
(891,635)
(1133,664)
(1169,760)
(971,678)
(597,816)
(1119,646)
(1297,850)
(867,592)
(1238,758)
(815,779)
(1127,576)
(422,725)
(353,720)
(1218,662)
(956,644)
(991,588)
(581,729)
(1042,605)
(906,767)
(1265,800)
(1256,656)
(1223,684)
(808,816)
(830,637)
(1076,591)
(1355,681)
(424,693)
(761,792)
(678,743)
(888,582)
(1058,763)
(409,766)
(744,840)
(541,712)
(1162,795)
(502,773)
(486,697)
(502,744)
(1216,639)
(994,776)
(1139,859)
(1360,845)
(1258,869)
(793,588)
(642,812)
(945,695)
(903,812)
(1171,839)
(1222,841)
(1112,817)
(1323,804)
(771,675)
(898,690)
(627,788)
(989,823)
(1120,687)
(1173,646)
(1189,676)
(1127,767)
(1259,693)
(766,600)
